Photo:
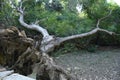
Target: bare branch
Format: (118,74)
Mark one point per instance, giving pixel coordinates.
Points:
(36,22)
(99,20)
(91,32)
(87,34)
(21,3)
(108,32)
(31,26)
(79,35)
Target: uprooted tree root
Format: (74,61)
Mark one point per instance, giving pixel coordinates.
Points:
(48,70)
(18,53)
(13,45)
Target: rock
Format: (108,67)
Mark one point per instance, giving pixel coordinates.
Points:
(76,68)
(69,69)
(2,69)
(10,75)
(5,73)
(16,76)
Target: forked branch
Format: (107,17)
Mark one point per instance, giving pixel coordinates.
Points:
(31,26)
(99,20)
(97,29)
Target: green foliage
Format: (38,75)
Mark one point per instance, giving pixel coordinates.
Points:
(64,24)
(111,23)
(8,13)
(60,24)
(66,48)
(91,48)
(116,19)
(61,17)
(95,9)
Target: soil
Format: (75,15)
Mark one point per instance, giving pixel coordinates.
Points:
(104,64)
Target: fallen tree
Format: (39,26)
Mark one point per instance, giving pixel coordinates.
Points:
(16,44)
(18,52)
(48,70)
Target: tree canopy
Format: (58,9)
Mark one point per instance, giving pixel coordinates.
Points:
(62,17)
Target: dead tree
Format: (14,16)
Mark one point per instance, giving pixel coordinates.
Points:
(27,54)
(13,41)
(48,70)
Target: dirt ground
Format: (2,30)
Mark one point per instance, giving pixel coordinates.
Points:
(104,64)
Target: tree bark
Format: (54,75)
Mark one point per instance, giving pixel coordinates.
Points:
(13,54)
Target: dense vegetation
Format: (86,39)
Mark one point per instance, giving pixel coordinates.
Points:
(66,17)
